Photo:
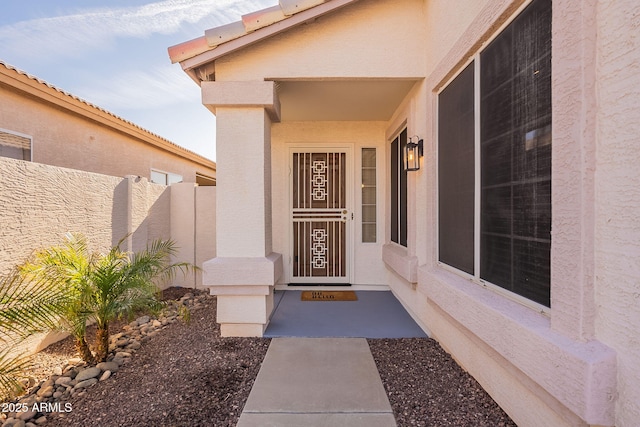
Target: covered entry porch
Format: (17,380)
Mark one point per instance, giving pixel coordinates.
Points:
(303,150)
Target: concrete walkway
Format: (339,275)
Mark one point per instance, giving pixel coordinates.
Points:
(314,382)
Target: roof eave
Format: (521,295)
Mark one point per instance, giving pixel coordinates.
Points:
(211,54)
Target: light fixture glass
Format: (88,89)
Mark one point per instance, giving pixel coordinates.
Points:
(412,153)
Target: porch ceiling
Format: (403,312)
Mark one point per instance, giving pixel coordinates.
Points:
(342,100)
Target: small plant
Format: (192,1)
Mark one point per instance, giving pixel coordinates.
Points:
(69,264)
(184,313)
(104,286)
(124,283)
(26,308)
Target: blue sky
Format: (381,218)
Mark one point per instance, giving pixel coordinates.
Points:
(113,53)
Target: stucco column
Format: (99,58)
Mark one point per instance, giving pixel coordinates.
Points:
(245,271)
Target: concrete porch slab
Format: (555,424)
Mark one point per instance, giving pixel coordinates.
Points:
(376,314)
(318,381)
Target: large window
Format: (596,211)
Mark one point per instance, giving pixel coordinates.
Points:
(398,191)
(14,145)
(495,207)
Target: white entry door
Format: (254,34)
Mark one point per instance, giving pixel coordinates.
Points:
(321,214)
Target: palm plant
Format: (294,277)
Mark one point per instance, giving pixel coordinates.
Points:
(123,283)
(26,307)
(70,265)
(104,287)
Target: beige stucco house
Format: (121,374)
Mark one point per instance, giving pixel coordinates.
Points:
(515,244)
(44,124)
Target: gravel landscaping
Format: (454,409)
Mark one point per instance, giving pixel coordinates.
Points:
(426,387)
(184,374)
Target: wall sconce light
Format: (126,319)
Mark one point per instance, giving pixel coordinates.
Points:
(412,153)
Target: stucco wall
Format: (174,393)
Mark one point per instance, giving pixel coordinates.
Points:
(443,33)
(617,190)
(66,139)
(40,203)
(327,47)
(568,371)
(193,228)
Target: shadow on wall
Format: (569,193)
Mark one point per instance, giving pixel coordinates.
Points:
(183,212)
(140,213)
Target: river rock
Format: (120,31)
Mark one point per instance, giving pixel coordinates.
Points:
(64,381)
(45,391)
(134,345)
(86,383)
(108,366)
(87,374)
(26,415)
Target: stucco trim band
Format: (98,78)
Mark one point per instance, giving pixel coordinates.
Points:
(398,260)
(580,375)
(242,94)
(257,272)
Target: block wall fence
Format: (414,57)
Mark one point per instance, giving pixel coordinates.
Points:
(40,203)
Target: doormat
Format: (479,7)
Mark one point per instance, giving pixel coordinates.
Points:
(328,296)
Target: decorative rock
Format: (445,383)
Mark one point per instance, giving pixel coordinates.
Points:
(157,323)
(134,345)
(118,360)
(105,375)
(108,366)
(45,391)
(71,373)
(87,374)
(42,420)
(74,361)
(142,320)
(26,416)
(133,324)
(122,342)
(64,381)
(86,383)
(57,394)
(12,422)
(57,371)
(29,400)
(48,383)
(123,354)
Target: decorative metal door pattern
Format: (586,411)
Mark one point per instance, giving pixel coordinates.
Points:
(319,217)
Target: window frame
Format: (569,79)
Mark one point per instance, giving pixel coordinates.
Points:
(373,168)
(21,135)
(166,174)
(398,198)
(475,277)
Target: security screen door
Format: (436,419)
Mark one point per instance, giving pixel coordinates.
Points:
(320,219)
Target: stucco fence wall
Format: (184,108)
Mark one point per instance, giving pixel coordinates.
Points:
(40,203)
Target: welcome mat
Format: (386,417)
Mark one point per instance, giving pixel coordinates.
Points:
(328,296)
